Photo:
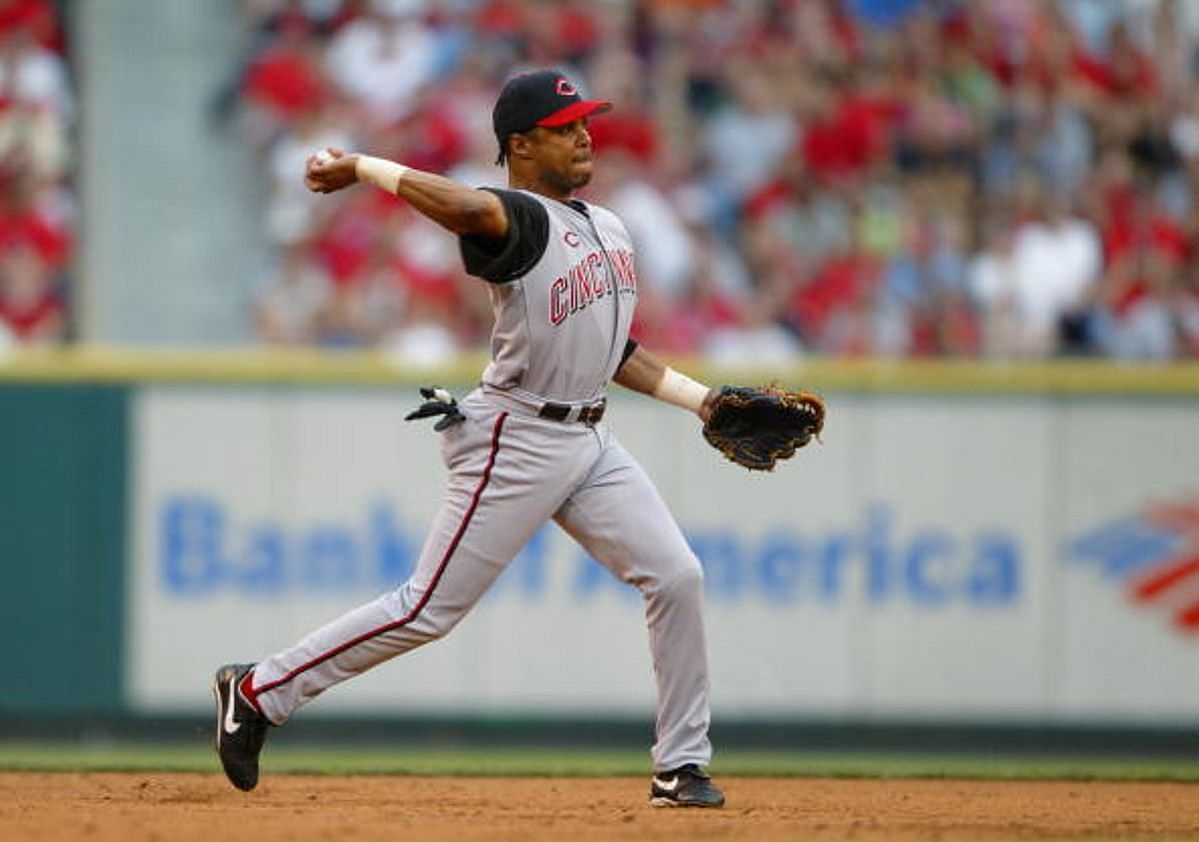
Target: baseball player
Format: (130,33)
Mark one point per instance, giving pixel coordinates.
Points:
(528,445)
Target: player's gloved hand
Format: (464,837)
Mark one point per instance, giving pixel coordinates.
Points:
(756,426)
(437,402)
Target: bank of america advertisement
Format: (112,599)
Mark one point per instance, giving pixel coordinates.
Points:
(997,558)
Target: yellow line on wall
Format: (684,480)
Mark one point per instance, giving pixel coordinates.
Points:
(96,364)
(225,365)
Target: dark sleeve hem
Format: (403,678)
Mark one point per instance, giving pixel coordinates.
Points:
(500,261)
(629,347)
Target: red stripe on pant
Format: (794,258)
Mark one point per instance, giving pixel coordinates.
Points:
(416,609)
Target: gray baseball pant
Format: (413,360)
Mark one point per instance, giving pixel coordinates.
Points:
(510,472)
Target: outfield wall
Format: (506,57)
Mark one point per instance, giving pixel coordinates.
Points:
(970,543)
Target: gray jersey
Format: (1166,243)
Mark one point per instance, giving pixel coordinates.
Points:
(561,327)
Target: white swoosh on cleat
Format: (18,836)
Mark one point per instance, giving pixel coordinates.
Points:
(231,725)
(668,786)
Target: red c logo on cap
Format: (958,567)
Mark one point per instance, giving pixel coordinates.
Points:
(565,88)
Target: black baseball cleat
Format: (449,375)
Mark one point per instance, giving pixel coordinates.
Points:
(686,786)
(240,728)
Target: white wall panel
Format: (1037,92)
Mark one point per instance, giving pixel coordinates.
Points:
(937,558)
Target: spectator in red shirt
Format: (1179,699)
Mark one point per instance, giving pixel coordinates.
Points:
(284,82)
(36,16)
(845,133)
(27,220)
(830,307)
(1134,319)
(31,308)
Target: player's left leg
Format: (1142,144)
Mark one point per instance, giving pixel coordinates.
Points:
(619,517)
(508,475)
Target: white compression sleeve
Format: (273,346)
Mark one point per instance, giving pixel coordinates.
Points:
(383,174)
(680,390)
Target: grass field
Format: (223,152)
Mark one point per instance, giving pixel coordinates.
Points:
(577,763)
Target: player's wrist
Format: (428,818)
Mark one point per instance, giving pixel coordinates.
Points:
(680,390)
(380,172)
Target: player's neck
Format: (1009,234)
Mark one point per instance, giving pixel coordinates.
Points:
(540,186)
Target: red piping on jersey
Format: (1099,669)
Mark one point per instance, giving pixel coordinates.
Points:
(424,600)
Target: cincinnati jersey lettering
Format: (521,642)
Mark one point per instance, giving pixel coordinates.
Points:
(589,280)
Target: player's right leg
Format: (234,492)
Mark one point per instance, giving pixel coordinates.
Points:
(619,517)
(504,484)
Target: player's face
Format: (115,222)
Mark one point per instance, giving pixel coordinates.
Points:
(563,154)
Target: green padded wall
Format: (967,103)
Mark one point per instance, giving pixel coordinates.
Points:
(62,528)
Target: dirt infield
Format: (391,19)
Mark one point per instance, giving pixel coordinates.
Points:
(183,807)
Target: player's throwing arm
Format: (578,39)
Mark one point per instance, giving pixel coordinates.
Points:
(454,206)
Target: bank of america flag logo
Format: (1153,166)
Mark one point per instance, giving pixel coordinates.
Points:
(1154,556)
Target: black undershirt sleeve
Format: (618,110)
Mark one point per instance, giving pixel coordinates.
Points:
(503,259)
(630,346)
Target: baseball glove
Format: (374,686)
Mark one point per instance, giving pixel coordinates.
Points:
(756,426)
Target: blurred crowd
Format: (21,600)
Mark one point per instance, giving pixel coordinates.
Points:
(1004,178)
(37,205)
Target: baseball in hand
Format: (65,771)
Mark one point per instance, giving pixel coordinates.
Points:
(323,157)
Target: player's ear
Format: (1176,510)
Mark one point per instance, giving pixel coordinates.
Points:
(520,146)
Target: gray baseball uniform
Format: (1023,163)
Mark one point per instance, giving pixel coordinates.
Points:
(532,448)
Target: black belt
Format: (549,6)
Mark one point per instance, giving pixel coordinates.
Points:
(565,412)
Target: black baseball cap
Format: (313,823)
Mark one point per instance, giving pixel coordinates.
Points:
(542,98)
